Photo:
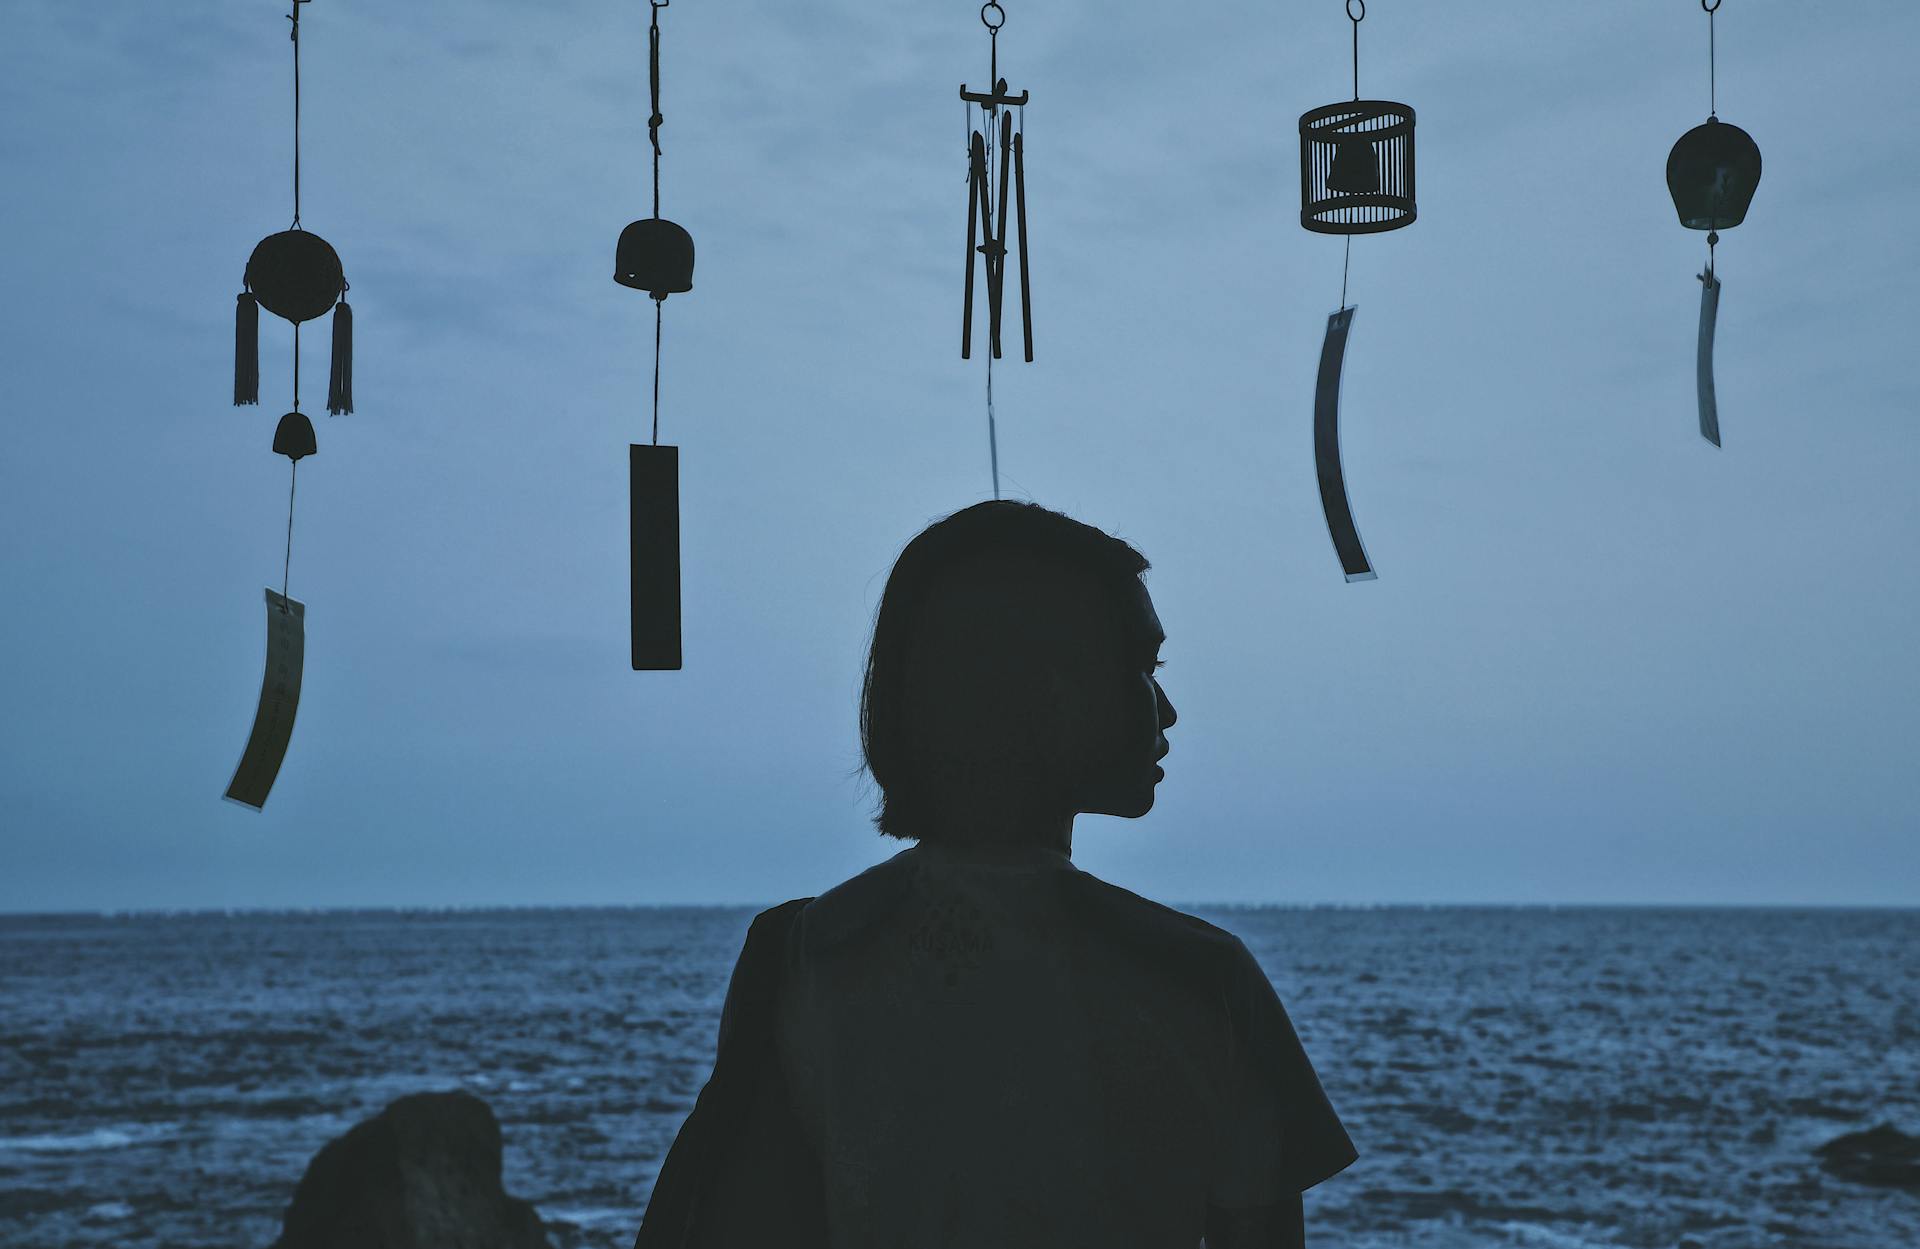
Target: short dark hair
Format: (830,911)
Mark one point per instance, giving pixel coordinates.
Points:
(995,543)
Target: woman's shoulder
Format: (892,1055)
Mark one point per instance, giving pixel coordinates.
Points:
(1182,945)
(853,905)
(1189,944)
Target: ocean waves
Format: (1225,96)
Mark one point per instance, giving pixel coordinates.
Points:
(1548,1078)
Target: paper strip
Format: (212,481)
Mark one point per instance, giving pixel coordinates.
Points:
(655,551)
(1703,368)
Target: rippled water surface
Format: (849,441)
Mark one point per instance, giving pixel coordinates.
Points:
(1538,1077)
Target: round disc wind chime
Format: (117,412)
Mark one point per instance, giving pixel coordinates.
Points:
(1356,177)
(987,213)
(656,256)
(1712,172)
(295,275)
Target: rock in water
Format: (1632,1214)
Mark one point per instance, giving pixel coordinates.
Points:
(1882,1156)
(422,1174)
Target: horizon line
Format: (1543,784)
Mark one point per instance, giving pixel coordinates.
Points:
(184,912)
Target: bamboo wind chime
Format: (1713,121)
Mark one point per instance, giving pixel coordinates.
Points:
(656,256)
(986,232)
(1712,173)
(1356,177)
(295,275)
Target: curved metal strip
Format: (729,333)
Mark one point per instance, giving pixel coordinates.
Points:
(1703,367)
(1326,451)
(279,700)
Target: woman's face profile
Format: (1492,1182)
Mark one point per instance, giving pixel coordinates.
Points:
(1038,690)
(1119,720)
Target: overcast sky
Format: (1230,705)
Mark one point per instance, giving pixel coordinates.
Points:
(1603,661)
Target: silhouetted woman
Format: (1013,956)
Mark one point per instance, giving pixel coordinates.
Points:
(974,1044)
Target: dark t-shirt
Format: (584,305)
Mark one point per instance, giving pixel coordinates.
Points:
(995,1048)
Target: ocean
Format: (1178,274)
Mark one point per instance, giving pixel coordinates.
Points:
(1549,1077)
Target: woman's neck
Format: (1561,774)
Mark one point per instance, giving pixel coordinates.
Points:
(959,824)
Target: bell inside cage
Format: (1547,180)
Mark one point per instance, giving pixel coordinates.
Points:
(1712,173)
(1356,167)
(1354,170)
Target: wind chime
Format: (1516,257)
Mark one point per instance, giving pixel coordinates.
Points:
(987,212)
(1356,177)
(1712,172)
(295,275)
(656,256)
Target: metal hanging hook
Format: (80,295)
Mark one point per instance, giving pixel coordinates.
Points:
(1709,8)
(988,22)
(1356,19)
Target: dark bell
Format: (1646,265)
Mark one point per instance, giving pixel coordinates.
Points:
(1711,174)
(656,256)
(294,438)
(1354,171)
(295,274)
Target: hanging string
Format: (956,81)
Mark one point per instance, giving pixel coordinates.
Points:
(993,439)
(993,436)
(293,478)
(294,35)
(1346,263)
(1356,19)
(287,564)
(657,304)
(654,120)
(988,113)
(1713,95)
(653,86)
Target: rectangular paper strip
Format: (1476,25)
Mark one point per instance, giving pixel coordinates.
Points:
(655,551)
(1326,451)
(1709,313)
(279,700)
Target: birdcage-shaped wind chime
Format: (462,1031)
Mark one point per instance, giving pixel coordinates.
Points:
(656,256)
(1356,177)
(1711,173)
(987,213)
(295,275)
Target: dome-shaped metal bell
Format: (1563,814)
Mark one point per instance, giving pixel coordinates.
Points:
(1711,173)
(656,256)
(294,437)
(295,274)
(1354,171)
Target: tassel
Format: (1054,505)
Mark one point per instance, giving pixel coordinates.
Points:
(340,380)
(246,350)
